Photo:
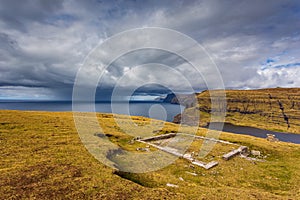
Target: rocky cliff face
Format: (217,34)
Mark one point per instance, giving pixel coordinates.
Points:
(186,100)
(171,98)
(277,107)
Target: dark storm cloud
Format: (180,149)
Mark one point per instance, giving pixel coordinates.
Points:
(43,43)
(18,14)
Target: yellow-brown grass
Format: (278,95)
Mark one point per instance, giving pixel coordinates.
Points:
(42,157)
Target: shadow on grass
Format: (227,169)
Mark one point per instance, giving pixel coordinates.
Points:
(137,178)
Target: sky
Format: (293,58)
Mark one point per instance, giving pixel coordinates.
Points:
(43,44)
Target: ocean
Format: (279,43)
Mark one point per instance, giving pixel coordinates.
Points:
(156,110)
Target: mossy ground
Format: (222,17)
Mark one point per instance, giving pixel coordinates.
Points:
(42,157)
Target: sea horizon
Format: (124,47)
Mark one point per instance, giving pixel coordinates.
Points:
(136,108)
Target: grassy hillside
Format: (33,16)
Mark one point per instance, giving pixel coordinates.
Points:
(43,157)
(276,109)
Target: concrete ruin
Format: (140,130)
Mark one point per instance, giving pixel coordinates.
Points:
(159,137)
(241,150)
(205,165)
(235,152)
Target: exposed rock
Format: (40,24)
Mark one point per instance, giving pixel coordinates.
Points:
(191,173)
(252,159)
(143,149)
(177,119)
(255,153)
(131,142)
(272,138)
(191,166)
(172,185)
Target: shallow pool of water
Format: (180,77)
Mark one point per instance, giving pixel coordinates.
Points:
(245,130)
